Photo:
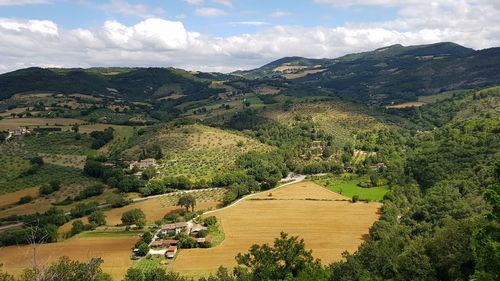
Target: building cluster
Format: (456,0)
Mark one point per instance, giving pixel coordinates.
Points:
(172,229)
(16,133)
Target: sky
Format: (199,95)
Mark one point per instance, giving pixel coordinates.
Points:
(228,35)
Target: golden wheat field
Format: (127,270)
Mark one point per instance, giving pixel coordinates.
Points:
(115,251)
(327,221)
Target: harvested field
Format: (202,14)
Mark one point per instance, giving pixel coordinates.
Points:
(115,252)
(158,207)
(407,104)
(6,124)
(327,222)
(302,73)
(12,198)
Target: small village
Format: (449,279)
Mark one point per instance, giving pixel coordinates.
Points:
(170,238)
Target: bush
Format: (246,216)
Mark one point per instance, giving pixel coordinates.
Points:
(90,191)
(45,189)
(117,201)
(98,218)
(143,249)
(134,216)
(147,237)
(210,221)
(77,227)
(355,199)
(25,199)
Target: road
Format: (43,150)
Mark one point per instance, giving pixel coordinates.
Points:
(290,179)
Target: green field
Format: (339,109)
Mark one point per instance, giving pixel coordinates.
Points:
(349,187)
(95,234)
(149,262)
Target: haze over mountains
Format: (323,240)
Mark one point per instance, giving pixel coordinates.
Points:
(390,74)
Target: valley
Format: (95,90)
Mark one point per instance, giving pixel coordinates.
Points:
(376,162)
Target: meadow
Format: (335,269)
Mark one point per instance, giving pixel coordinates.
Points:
(327,221)
(347,185)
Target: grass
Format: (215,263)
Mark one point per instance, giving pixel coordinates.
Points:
(217,234)
(349,187)
(96,234)
(149,262)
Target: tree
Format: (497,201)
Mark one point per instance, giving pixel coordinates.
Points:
(37,160)
(134,274)
(134,216)
(98,218)
(187,201)
(25,199)
(286,258)
(75,128)
(67,270)
(93,168)
(143,248)
(148,173)
(147,237)
(77,227)
(55,185)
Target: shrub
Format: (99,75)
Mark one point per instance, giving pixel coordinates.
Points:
(210,221)
(25,199)
(77,227)
(98,218)
(134,216)
(355,199)
(143,249)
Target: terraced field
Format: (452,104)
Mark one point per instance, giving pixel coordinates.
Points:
(199,152)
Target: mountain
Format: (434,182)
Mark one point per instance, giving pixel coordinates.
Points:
(129,83)
(390,74)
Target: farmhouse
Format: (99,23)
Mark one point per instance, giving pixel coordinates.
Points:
(143,164)
(173,228)
(19,132)
(196,228)
(378,167)
(164,243)
(203,240)
(171,252)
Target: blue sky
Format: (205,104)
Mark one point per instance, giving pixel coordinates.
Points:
(225,35)
(247,16)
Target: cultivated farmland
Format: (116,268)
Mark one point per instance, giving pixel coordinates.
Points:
(327,221)
(199,152)
(115,251)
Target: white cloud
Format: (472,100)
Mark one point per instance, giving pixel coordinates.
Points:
(254,23)
(22,2)
(159,42)
(193,2)
(224,2)
(280,14)
(128,9)
(210,12)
